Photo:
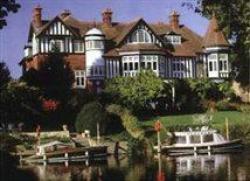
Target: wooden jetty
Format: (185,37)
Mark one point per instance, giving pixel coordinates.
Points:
(67,154)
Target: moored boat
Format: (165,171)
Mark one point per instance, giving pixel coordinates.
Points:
(202,141)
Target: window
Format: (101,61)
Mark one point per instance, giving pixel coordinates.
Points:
(56,44)
(174,39)
(195,139)
(181,139)
(154,66)
(210,66)
(149,65)
(97,44)
(125,66)
(141,36)
(78,46)
(130,66)
(208,138)
(136,65)
(143,65)
(223,63)
(79,78)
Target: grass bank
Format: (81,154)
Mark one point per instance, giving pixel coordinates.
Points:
(239,123)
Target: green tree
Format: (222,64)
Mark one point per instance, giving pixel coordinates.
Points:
(206,89)
(7,6)
(234,20)
(20,103)
(4,75)
(135,92)
(55,80)
(91,114)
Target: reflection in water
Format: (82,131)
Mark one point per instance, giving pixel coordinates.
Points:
(159,168)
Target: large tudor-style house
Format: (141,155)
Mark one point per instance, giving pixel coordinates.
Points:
(102,50)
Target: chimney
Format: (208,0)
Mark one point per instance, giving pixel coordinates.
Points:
(65,13)
(107,17)
(174,20)
(37,16)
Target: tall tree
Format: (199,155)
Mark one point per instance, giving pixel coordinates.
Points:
(4,75)
(19,103)
(7,6)
(234,20)
(55,80)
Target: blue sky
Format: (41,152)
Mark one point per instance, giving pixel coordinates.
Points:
(14,36)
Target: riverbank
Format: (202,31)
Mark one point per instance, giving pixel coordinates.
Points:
(239,123)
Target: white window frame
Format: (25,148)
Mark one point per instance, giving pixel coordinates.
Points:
(223,62)
(80,78)
(78,46)
(141,36)
(56,42)
(173,39)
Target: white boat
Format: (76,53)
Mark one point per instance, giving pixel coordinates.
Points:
(202,141)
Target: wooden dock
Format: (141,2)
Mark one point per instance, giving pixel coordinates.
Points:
(70,154)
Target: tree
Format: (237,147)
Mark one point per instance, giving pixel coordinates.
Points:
(135,92)
(233,17)
(4,75)
(7,6)
(20,103)
(91,114)
(206,89)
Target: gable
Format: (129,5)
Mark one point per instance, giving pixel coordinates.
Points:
(141,33)
(56,27)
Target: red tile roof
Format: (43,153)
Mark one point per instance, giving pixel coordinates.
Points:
(214,36)
(191,44)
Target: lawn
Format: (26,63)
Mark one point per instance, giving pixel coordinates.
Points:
(234,117)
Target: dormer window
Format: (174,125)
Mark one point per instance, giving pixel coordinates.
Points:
(141,36)
(173,39)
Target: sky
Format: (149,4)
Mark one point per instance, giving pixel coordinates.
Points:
(14,36)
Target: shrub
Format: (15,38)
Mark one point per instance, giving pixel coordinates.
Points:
(8,143)
(91,114)
(245,108)
(225,105)
(129,122)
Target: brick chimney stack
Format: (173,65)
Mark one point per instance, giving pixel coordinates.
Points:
(174,20)
(107,17)
(37,16)
(65,13)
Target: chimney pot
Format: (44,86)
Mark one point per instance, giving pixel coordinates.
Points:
(107,17)
(65,13)
(37,16)
(174,20)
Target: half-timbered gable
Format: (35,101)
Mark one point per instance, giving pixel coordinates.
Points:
(57,34)
(142,33)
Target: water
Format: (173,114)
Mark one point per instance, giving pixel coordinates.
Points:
(202,167)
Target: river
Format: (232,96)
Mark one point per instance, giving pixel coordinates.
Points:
(234,166)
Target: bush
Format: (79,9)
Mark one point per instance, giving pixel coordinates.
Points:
(91,114)
(129,122)
(8,143)
(225,105)
(245,108)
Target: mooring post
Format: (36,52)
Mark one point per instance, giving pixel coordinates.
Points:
(158,129)
(209,150)
(44,157)
(98,133)
(227,128)
(158,142)
(66,155)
